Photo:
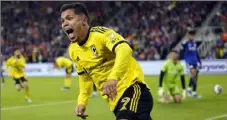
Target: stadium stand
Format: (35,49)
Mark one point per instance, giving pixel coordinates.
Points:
(152,29)
(218,27)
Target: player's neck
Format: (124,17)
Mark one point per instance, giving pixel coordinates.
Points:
(84,34)
(174,61)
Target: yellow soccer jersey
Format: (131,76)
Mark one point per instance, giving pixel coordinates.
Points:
(64,62)
(17,66)
(102,56)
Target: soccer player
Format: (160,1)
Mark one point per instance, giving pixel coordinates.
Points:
(171,71)
(62,62)
(2,70)
(193,62)
(2,78)
(17,63)
(103,56)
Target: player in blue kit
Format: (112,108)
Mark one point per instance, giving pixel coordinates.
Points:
(193,62)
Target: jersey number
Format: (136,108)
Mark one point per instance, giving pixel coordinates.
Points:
(125,101)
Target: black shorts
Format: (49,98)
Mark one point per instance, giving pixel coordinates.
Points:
(69,70)
(19,80)
(135,104)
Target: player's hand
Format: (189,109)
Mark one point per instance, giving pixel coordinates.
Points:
(110,89)
(184,94)
(200,65)
(160,92)
(79,110)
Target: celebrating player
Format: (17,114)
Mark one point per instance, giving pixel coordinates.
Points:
(62,62)
(17,63)
(171,71)
(192,60)
(103,56)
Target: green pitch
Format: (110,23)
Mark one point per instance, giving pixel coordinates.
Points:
(49,103)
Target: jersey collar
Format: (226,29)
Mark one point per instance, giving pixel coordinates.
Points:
(85,40)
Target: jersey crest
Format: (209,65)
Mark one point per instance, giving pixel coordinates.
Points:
(94,50)
(77,59)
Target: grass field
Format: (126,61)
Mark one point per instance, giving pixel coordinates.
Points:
(49,103)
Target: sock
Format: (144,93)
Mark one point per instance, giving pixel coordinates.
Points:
(94,88)
(67,82)
(190,83)
(189,89)
(194,84)
(27,93)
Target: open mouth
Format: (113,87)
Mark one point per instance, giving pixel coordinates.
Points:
(70,33)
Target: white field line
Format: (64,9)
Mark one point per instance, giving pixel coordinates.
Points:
(36,105)
(217,117)
(56,103)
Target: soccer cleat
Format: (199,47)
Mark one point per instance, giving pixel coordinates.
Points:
(195,95)
(21,86)
(189,92)
(94,94)
(161,100)
(28,100)
(65,89)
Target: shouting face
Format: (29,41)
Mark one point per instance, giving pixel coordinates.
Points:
(73,24)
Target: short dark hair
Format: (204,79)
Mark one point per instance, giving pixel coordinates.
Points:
(79,8)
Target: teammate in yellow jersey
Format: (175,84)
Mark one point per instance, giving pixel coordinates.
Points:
(62,62)
(15,66)
(103,56)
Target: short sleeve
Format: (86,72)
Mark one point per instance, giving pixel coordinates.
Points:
(112,40)
(79,70)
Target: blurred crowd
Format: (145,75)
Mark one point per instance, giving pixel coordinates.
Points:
(219,51)
(35,27)
(152,28)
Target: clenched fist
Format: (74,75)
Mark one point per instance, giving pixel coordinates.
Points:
(79,110)
(110,89)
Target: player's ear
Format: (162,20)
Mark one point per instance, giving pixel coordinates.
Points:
(84,20)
